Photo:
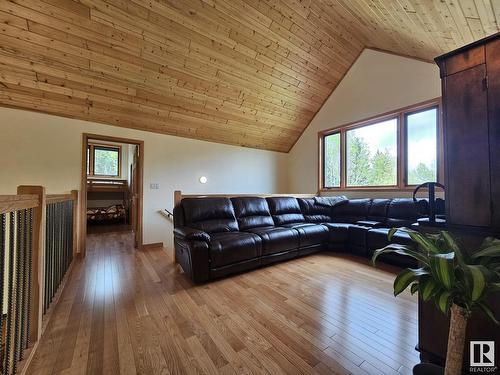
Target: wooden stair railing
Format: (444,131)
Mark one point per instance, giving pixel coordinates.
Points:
(25,220)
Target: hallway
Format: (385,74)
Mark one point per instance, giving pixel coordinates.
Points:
(126,311)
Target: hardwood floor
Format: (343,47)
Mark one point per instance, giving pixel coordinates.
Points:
(127,311)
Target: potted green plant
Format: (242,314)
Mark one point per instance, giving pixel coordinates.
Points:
(457,282)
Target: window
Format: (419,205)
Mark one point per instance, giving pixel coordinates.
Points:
(103,160)
(372,154)
(332,160)
(421,141)
(391,151)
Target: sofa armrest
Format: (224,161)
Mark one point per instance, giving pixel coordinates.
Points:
(191,234)
(369,223)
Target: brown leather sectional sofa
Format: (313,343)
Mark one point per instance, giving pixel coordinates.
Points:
(215,237)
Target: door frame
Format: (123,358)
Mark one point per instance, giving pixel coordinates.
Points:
(83,196)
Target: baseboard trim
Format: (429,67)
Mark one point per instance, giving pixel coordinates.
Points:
(146,246)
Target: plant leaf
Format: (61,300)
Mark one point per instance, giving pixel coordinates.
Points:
(453,245)
(402,250)
(488,312)
(391,233)
(443,301)
(424,242)
(476,280)
(414,288)
(406,277)
(420,239)
(443,268)
(428,288)
(490,251)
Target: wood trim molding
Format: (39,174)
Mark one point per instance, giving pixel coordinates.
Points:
(153,245)
(86,137)
(398,114)
(57,198)
(9,203)
(92,146)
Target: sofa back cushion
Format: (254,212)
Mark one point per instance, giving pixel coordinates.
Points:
(352,211)
(313,212)
(378,210)
(211,215)
(402,212)
(285,210)
(252,212)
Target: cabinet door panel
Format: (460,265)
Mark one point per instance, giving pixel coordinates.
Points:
(467,148)
(493,71)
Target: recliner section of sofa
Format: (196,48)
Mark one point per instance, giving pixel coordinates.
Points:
(286,212)
(215,237)
(278,243)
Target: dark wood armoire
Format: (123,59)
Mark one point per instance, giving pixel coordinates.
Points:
(471,125)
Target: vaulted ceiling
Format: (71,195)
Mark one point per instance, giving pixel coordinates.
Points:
(243,72)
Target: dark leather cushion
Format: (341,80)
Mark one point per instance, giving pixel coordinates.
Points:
(252,212)
(338,232)
(276,239)
(369,223)
(211,215)
(357,235)
(232,247)
(377,239)
(402,212)
(378,210)
(352,211)
(310,234)
(285,210)
(313,212)
(191,234)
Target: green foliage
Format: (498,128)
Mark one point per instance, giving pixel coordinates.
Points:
(358,161)
(421,173)
(106,162)
(383,169)
(332,160)
(365,169)
(447,274)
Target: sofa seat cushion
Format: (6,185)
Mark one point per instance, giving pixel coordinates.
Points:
(310,234)
(338,232)
(232,247)
(276,239)
(357,235)
(377,239)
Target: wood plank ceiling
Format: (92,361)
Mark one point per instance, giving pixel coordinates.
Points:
(244,72)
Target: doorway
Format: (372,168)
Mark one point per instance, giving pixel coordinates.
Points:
(112,187)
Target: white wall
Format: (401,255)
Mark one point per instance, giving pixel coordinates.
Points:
(40,149)
(377,83)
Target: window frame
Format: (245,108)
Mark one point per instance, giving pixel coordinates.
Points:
(402,155)
(91,147)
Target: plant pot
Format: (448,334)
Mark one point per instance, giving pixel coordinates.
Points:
(428,369)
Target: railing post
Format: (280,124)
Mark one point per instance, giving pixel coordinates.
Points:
(38,245)
(74,194)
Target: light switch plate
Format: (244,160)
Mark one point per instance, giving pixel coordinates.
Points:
(154,186)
